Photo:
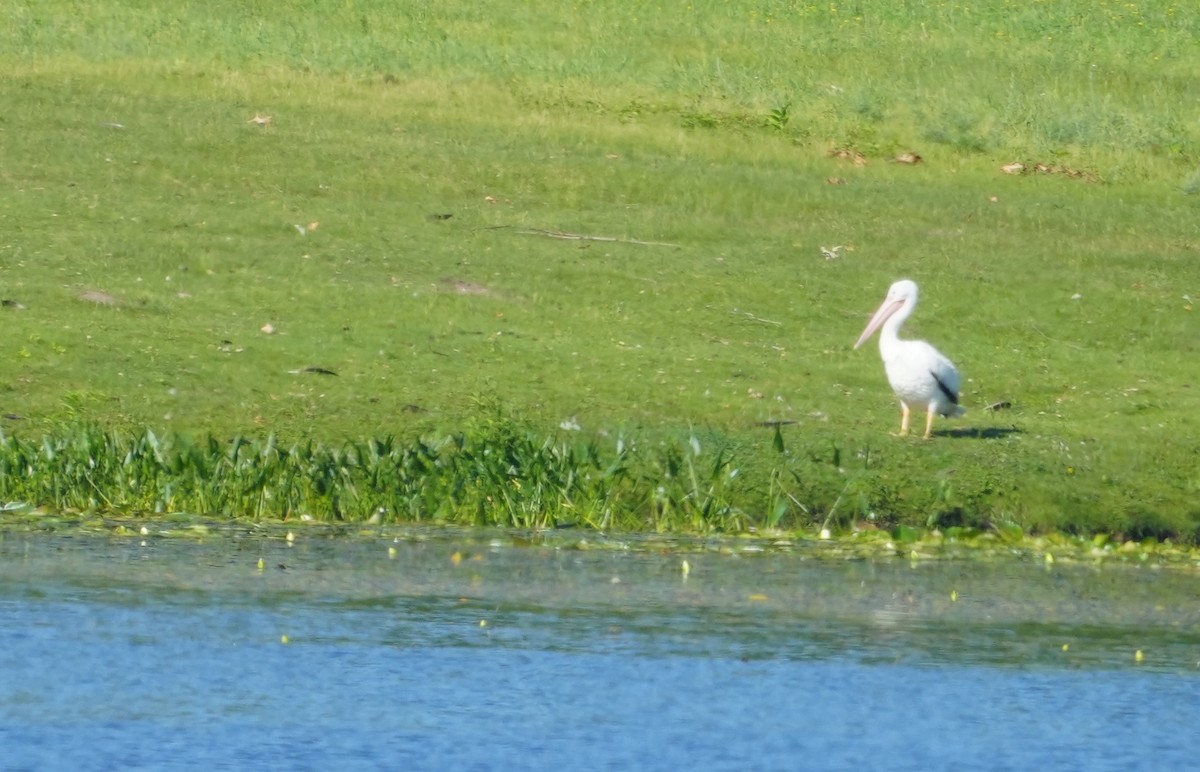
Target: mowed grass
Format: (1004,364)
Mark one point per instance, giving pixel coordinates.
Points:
(133,174)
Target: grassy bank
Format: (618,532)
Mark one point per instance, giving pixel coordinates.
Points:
(168,262)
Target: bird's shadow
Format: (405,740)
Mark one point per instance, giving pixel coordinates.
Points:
(990,433)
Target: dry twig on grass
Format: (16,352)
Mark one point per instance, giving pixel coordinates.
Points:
(587,237)
(753,318)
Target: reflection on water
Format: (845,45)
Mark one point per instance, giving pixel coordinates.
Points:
(460,652)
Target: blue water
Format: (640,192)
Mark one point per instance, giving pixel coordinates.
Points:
(170,654)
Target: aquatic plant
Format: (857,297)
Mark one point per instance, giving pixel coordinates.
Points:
(505,476)
(505,473)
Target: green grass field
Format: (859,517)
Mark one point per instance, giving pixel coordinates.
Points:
(168,262)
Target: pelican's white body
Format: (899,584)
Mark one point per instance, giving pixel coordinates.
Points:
(919,374)
(914,369)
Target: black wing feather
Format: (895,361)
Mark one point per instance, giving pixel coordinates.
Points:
(950,395)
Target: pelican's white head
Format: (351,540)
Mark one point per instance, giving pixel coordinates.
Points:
(901,295)
(905,289)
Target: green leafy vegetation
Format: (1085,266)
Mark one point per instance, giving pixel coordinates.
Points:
(600,266)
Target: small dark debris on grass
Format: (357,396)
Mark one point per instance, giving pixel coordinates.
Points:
(313,370)
(441,216)
(411,408)
(14,417)
(999,406)
(14,304)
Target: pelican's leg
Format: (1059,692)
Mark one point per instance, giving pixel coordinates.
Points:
(929,421)
(903,419)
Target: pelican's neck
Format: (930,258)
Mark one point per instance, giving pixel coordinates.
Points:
(889,334)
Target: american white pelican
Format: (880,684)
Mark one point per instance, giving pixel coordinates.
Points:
(919,374)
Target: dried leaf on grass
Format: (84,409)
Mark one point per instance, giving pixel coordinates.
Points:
(99,298)
(1017,167)
(846,154)
(461,287)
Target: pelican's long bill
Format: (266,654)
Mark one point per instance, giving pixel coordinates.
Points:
(881,316)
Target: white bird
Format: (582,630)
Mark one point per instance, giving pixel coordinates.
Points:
(921,376)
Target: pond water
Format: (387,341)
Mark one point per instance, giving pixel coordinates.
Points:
(455,650)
